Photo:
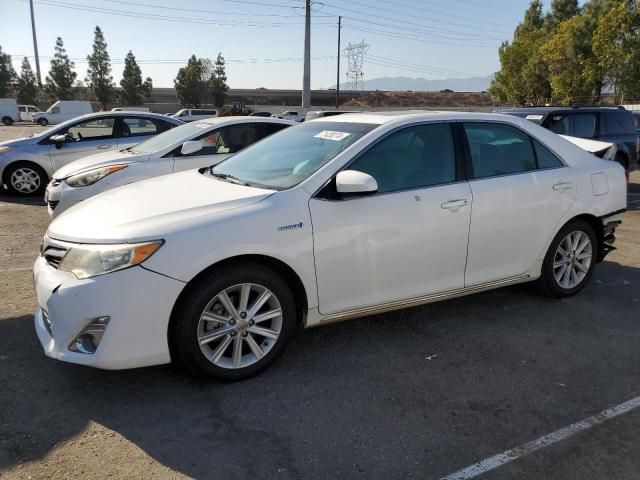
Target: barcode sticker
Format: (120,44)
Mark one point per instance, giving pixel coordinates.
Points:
(332,135)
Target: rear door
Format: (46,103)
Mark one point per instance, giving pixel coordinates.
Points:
(91,136)
(617,126)
(521,191)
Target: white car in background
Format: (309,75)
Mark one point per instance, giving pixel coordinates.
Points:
(337,218)
(61,111)
(193,114)
(194,145)
(26,164)
(27,112)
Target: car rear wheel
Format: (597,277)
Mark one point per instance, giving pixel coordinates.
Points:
(8,121)
(234,322)
(24,178)
(570,260)
(43,122)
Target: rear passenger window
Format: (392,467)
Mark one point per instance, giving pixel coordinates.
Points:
(136,126)
(581,125)
(414,157)
(236,137)
(618,123)
(271,128)
(545,158)
(498,149)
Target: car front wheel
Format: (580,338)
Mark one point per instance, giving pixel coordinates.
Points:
(570,260)
(25,178)
(234,322)
(43,122)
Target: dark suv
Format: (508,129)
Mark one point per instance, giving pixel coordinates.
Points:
(608,124)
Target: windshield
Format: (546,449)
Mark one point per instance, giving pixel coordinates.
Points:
(292,155)
(168,138)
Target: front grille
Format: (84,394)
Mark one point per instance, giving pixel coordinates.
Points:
(53,251)
(53,204)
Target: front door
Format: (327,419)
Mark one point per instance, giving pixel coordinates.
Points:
(87,138)
(521,191)
(406,241)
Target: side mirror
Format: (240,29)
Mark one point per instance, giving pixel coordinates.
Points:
(59,140)
(355,183)
(190,147)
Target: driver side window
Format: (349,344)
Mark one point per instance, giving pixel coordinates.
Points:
(94,129)
(414,157)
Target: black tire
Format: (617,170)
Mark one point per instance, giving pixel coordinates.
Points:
(42,179)
(547,282)
(186,322)
(8,121)
(43,122)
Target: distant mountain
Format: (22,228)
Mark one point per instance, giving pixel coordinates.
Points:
(473,84)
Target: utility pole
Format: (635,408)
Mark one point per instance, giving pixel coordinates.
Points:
(35,44)
(306,77)
(338,69)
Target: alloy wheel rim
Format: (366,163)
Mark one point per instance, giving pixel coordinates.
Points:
(240,325)
(25,180)
(572,260)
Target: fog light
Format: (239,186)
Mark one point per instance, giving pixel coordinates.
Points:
(89,338)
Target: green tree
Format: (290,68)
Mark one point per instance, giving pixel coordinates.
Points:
(219,85)
(26,86)
(60,81)
(523,75)
(561,10)
(188,83)
(616,45)
(7,74)
(134,90)
(99,78)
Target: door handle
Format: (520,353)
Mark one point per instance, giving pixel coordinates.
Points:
(103,147)
(563,186)
(454,205)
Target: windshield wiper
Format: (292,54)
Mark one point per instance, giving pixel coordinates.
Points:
(229,178)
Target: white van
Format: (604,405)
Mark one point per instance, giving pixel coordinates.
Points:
(9,111)
(130,109)
(27,112)
(192,114)
(63,110)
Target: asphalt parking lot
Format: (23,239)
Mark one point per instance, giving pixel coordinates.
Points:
(419,393)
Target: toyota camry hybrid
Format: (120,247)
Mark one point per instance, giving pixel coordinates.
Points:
(337,218)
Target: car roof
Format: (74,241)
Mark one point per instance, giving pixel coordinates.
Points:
(129,113)
(380,118)
(243,119)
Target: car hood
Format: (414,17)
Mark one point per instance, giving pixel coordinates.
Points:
(98,160)
(150,208)
(593,146)
(20,142)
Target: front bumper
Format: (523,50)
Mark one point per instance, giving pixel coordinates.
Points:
(138,301)
(59,196)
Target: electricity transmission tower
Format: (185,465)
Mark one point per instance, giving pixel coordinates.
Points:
(355,59)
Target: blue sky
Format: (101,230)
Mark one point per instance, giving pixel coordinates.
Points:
(263,40)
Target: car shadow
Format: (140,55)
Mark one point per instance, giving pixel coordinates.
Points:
(424,389)
(37,200)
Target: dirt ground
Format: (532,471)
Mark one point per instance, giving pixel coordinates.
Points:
(418,393)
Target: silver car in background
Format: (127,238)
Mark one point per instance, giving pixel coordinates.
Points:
(27,164)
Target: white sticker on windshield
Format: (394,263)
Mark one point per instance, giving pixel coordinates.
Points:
(202,125)
(332,135)
(534,117)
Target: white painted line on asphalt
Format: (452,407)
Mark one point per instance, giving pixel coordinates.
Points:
(16,269)
(507,456)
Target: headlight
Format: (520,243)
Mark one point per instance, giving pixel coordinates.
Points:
(91,260)
(5,150)
(90,177)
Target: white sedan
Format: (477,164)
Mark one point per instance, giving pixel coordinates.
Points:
(194,145)
(337,218)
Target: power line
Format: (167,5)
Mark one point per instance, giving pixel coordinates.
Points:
(386,33)
(167,18)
